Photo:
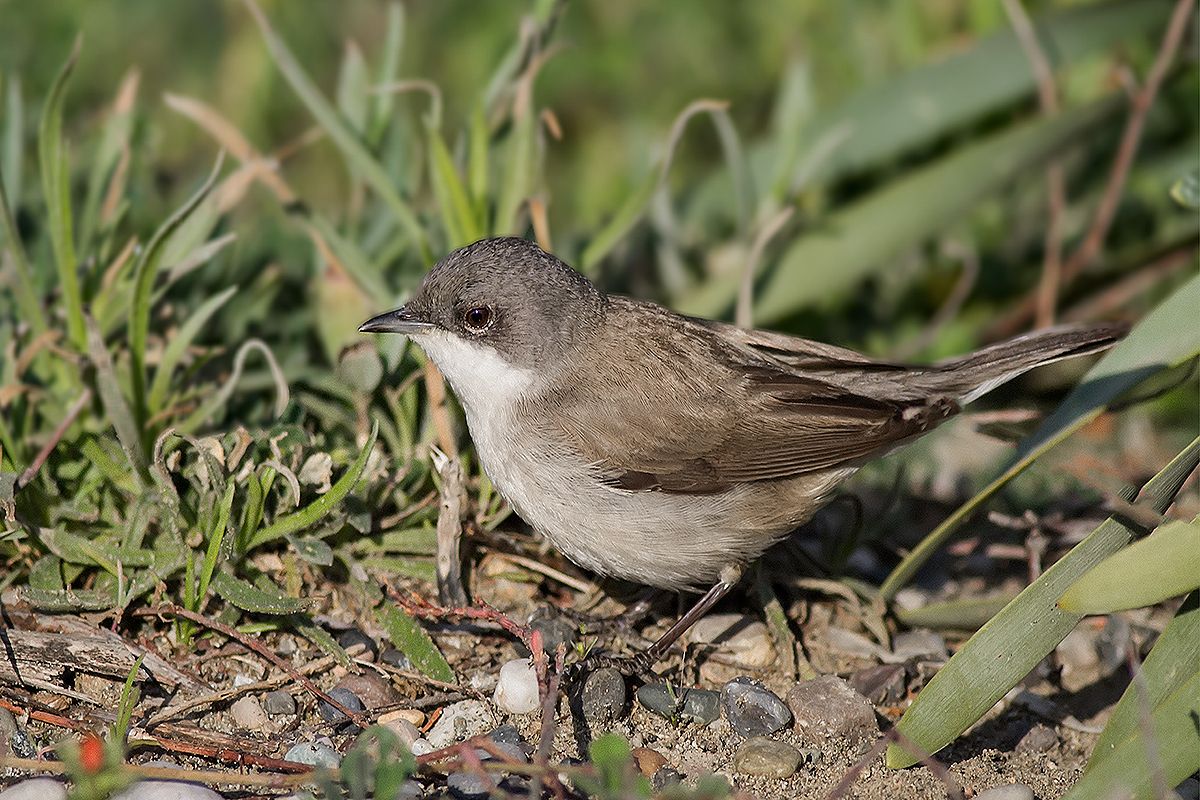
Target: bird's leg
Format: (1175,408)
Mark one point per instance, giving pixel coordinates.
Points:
(640,663)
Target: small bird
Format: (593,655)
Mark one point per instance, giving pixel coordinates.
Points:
(662,449)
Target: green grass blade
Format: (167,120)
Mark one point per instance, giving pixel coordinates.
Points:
(216,536)
(1165,338)
(129,698)
(1012,643)
(1165,564)
(118,128)
(1171,662)
(411,639)
(12,140)
(462,227)
(517,183)
(115,405)
(867,235)
(478,164)
(339,131)
(26,293)
(179,343)
(144,273)
(56,188)
(1130,772)
(298,520)
(389,66)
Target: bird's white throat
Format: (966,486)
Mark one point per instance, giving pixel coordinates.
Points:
(482,379)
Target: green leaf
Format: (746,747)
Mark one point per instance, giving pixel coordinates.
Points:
(56,188)
(967,614)
(115,405)
(179,344)
(249,597)
(1163,565)
(868,235)
(1012,643)
(311,549)
(26,291)
(144,273)
(1141,766)
(298,520)
(339,130)
(1165,338)
(320,637)
(65,600)
(1171,662)
(457,215)
(411,639)
(129,699)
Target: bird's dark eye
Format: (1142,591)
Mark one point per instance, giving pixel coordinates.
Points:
(478,319)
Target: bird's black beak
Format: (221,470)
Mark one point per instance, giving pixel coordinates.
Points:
(399,321)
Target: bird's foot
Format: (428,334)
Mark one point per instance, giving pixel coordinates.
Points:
(637,665)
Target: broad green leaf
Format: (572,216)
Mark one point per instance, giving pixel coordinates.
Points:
(869,234)
(1012,643)
(1166,752)
(411,639)
(1163,565)
(67,600)
(298,520)
(179,344)
(249,597)
(56,189)
(334,124)
(1165,338)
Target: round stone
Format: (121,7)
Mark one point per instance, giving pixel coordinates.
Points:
(468,786)
(827,709)
(344,696)
(394,658)
(701,705)
(35,789)
(766,757)
(1013,791)
(352,636)
(317,754)
(1039,739)
(279,703)
(603,696)
(517,689)
(459,721)
(167,790)
(752,709)
(248,714)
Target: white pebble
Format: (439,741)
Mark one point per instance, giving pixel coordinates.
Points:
(167,790)
(35,789)
(517,689)
(421,746)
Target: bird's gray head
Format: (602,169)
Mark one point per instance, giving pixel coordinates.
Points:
(494,310)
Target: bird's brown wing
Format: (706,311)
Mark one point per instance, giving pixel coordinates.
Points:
(718,415)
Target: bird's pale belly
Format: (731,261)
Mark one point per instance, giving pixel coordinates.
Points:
(671,541)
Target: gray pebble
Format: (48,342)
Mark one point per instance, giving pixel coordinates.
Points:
(393,657)
(167,790)
(752,709)
(1013,791)
(512,752)
(826,709)
(35,789)
(317,754)
(701,705)
(279,702)
(1039,739)
(13,738)
(468,786)
(352,636)
(344,696)
(247,713)
(603,696)
(767,757)
(666,776)
(507,734)
(409,790)
(883,684)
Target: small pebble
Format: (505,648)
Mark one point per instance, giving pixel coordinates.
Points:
(1013,791)
(667,776)
(349,638)
(1039,739)
(701,705)
(241,680)
(422,746)
(35,789)
(752,709)
(507,736)
(603,696)
(248,714)
(413,716)
(286,646)
(405,731)
(826,708)
(344,696)
(393,657)
(13,738)
(512,752)
(371,689)
(555,629)
(468,786)
(167,790)
(648,761)
(762,756)
(744,638)
(460,721)
(517,689)
(317,754)
(279,703)
(409,790)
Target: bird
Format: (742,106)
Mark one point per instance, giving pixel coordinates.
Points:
(663,449)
